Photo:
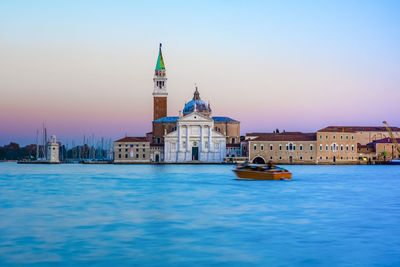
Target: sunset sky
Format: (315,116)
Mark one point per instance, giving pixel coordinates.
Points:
(86,67)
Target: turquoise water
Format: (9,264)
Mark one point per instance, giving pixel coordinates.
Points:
(198,215)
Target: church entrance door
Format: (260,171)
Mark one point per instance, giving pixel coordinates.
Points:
(195,153)
(157,158)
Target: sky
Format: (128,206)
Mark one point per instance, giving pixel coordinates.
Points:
(86,67)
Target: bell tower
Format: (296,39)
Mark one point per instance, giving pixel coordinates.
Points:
(160,89)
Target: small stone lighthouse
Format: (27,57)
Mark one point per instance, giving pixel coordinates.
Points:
(53,150)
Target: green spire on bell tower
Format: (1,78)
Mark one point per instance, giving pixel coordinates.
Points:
(160,61)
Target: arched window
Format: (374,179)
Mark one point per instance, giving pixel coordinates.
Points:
(290,146)
(334,147)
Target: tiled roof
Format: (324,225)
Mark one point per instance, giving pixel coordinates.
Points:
(268,134)
(175,119)
(223,119)
(132,139)
(352,129)
(167,119)
(386,140)
(287,136)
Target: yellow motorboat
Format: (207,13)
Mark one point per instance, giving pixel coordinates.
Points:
(262,172)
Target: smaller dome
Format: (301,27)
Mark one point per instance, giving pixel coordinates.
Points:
(196,104)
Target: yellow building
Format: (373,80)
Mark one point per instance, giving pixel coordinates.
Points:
(336,145)
(281,148)
(132,150)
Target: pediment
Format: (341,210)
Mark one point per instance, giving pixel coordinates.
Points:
(195,117)
(172,134)
(215,133)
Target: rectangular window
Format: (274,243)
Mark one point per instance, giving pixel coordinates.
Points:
(280,147)
(334,137)
(347,137)
(326,137)
(119,155)
(137,149)
(144,155)
(320,147)
(271,147)
(255,147)
(262,147)
(301,147)
(144,149)
(341,137)
(294,147)
(347,148)
(320,137)
(137,156)
(327,147)
(119,150)
(352,148)
(126,156)
(311,147)
(131,145)
(126,150)
(352,137)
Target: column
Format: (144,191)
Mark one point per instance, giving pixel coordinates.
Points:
(187,138)
(201,143)
(209,143)
(179,143)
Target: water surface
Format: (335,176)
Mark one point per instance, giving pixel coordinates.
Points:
(198,215)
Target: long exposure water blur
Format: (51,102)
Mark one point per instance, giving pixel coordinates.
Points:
(186,215)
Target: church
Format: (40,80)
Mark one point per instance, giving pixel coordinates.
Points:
(192,136)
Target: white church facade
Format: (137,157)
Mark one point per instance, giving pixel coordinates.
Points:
(194,140)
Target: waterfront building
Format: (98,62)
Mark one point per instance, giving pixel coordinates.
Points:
(233,150)
(385,148)
(132,150)
(350,144)
(53,150)
(378,150)
(281,148)
(337,145)
(164,126)
(368,134)
(195,139)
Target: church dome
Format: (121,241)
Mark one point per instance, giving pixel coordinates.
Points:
(196,104)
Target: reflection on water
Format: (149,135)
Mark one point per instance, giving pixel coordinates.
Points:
(186,215)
